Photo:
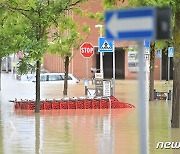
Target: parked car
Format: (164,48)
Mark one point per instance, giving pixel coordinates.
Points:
(54,78)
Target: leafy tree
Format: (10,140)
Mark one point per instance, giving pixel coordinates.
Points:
(66,38)
(6,41)
(39,15)
(175,6)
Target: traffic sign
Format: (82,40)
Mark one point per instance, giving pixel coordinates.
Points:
(158,53)
(105,45)
(130,24)
(87,50)
(170,51)
(106,88)
(147,43)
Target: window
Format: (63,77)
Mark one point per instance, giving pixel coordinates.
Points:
(69,78)
(54,78)
(43,78)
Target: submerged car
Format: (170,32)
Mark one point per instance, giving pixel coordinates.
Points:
(54,78)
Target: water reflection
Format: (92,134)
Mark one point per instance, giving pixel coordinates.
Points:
(80,131)
(37,133)
(1,132)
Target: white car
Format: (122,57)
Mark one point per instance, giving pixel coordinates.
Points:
(55,78)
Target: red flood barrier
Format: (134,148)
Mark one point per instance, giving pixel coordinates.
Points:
(73,103)
(31,105)
(64,104)
(104,103)
(96,103)
(88,104)
(41,105)
(47,104)
(55,104)
(80,104)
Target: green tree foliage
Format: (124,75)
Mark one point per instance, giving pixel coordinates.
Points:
(6,41)
(39,15)
(175,7)
(65,38)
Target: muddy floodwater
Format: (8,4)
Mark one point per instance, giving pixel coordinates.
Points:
(103,131)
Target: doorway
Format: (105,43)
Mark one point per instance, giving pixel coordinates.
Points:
(108,63)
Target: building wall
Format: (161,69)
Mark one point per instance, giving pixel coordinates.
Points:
(157,69)
(54,63)
(128,74)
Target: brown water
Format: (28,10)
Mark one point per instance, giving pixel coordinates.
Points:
(80,131)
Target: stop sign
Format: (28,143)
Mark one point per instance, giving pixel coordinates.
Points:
(87,50)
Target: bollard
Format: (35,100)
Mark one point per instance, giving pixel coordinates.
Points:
(155,94)
(169,95)
(86,90)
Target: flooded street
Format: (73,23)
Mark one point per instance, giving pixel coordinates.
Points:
(95,131)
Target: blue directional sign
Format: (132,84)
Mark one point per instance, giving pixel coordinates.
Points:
(170,51)
(158,54)
(105,45)
(130,24)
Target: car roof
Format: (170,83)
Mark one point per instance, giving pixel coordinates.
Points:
(54,74)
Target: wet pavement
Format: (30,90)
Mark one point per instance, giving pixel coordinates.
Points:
(102,131)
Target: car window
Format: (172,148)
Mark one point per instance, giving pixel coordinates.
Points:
(69,78)
(54,78)
(43,78)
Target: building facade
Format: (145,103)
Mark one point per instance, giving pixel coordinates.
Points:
(54,63)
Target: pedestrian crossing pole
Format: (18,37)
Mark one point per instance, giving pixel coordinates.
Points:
(101,54)
(114,68)
(101,63)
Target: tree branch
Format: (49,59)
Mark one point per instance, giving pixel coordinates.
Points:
(69,7)
(78,48)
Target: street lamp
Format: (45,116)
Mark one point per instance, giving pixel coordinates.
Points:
(101,54)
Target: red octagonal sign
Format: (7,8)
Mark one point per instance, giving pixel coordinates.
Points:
(87,50)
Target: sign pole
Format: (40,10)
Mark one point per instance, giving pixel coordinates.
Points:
(86,50)
(101,56)
(143,102)
(114,69)
(147,76)
(161,65)
(87,69)
(86,80)
(101,63)
(168,68)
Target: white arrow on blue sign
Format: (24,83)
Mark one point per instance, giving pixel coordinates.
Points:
(170,51)
(105,45)
(130,24)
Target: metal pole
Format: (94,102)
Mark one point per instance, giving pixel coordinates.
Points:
(161,66)
(143,102)
(147,76)
(87,69)
(168,69)
(86,81)
(101,63)
(101,56)
(7,63)
(114,69)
